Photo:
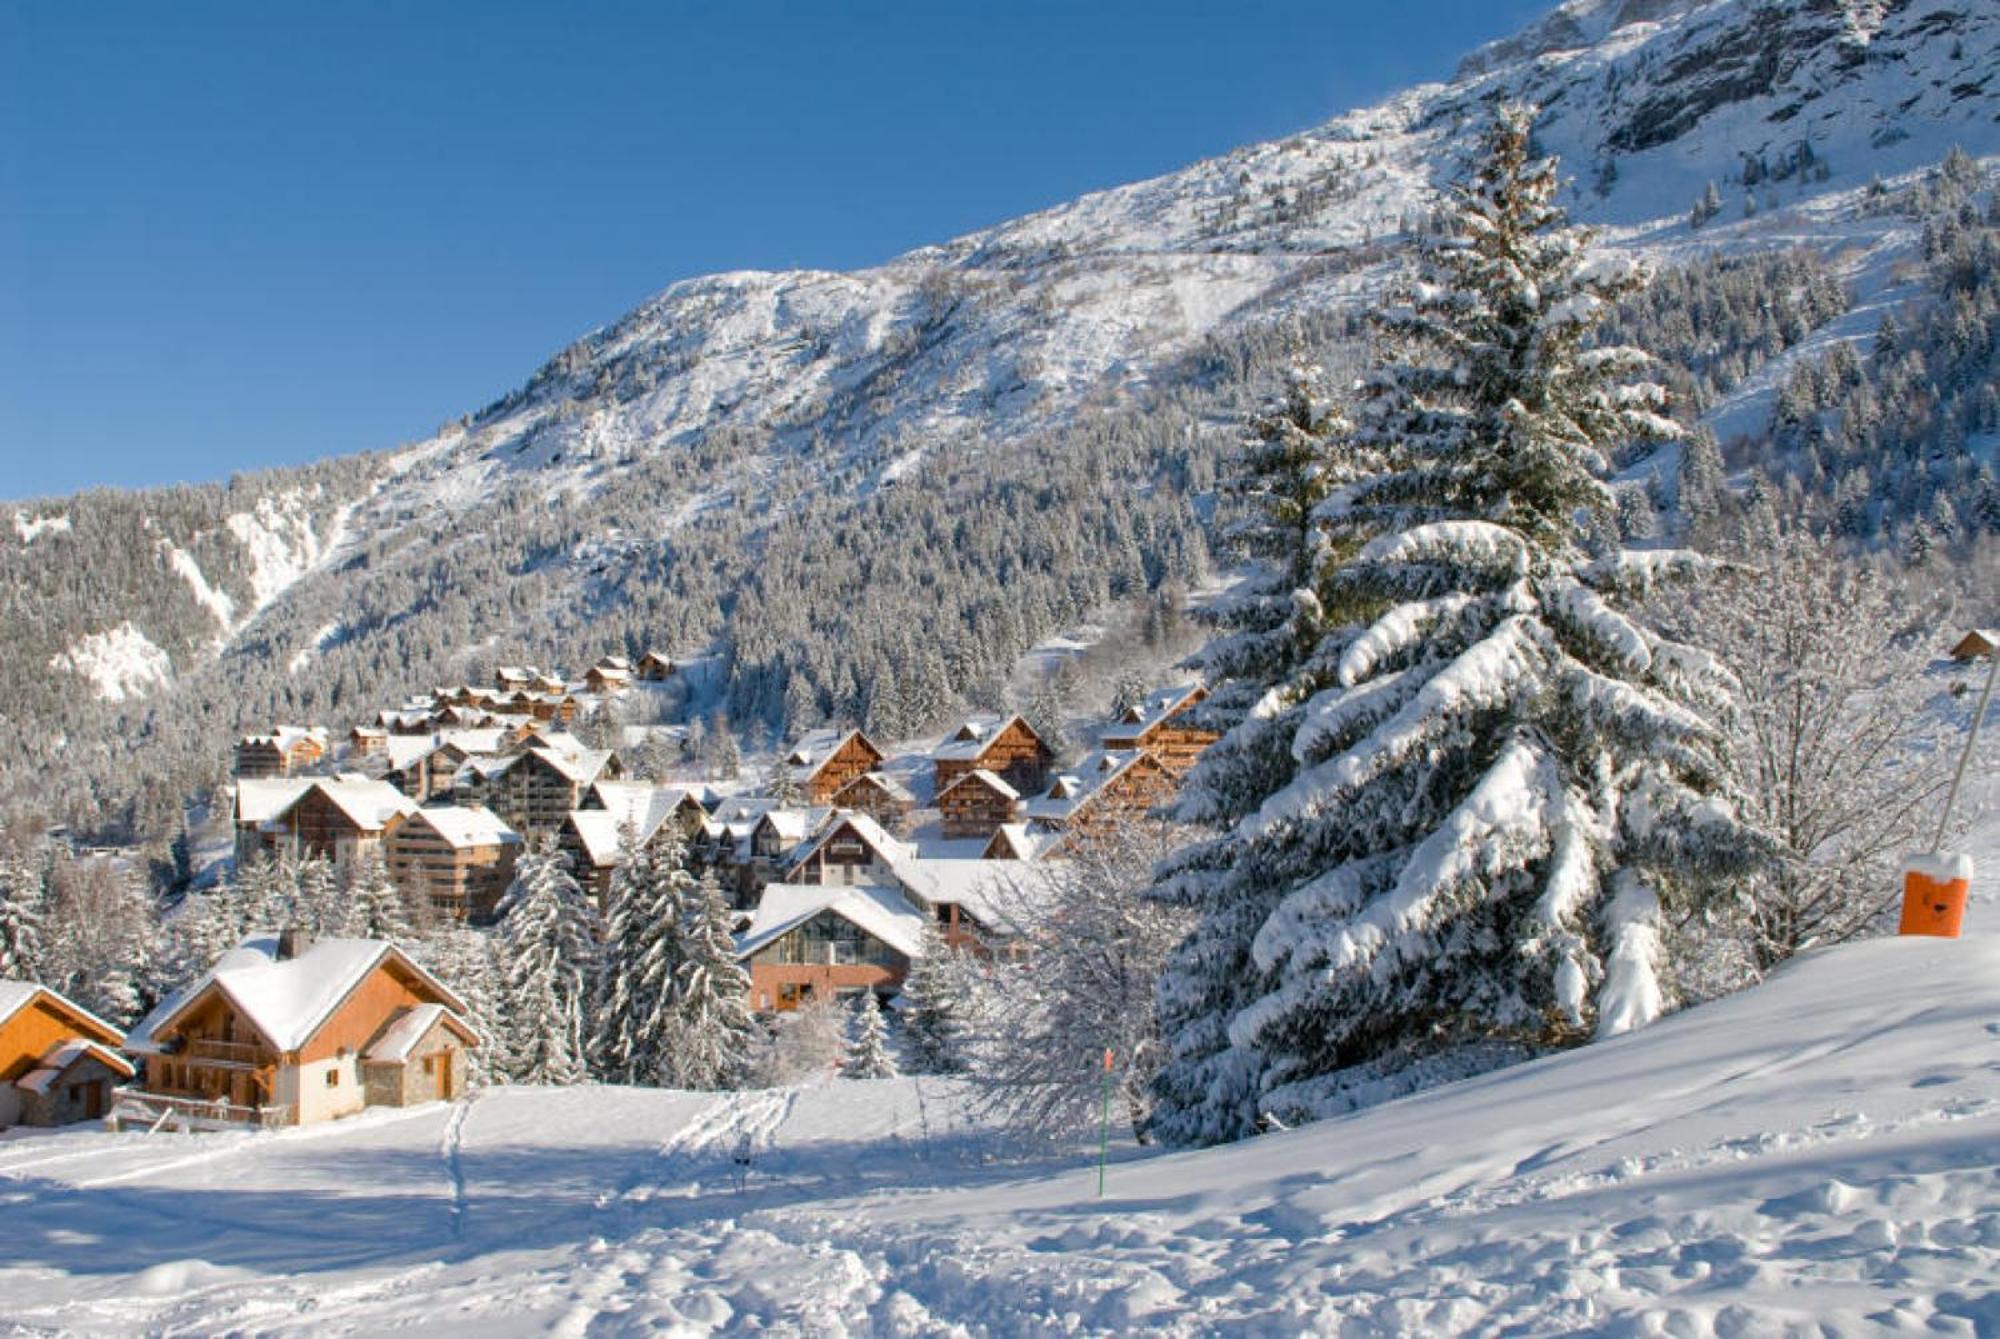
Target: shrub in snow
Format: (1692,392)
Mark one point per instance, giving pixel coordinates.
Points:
(1835,754)
(868,1054)
(1094,945)
(1494,780)
(804,1044)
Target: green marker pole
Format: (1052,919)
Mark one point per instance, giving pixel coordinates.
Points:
(1104,1135)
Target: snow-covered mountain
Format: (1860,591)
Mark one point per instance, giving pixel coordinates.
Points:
(646,473)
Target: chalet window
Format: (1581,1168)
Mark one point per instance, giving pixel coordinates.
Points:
(333,1078)
(430,1064)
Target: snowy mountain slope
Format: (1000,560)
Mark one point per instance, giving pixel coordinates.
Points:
(685,431)
(1823,1151)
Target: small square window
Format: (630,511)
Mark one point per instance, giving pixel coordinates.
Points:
(333,1078)
(430,1064)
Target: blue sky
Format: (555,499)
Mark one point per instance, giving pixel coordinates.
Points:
(242,235)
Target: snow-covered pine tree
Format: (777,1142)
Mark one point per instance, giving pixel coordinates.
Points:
(321,905)
(375,906)
(717,1035)
(21,914)
(1259,667)
(1500,779)
(636,1024)
(549,938)
(264,894)
(868,1054)
(933,1004)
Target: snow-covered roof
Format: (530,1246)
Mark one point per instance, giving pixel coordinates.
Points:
(991,780)
(18,995)
(1158,706)
(261,799)
(1017,841)
(614,664)
(368,804)
(973,737)
(62,1058)
(872,834)
(640,803)
(394,1045)
(287,1000)
(1078,786)
(888,784)
(815,748)
(881,912)
(465,827)
(796,825)
(406,751)
(580,766)
(734,809)
(288,737)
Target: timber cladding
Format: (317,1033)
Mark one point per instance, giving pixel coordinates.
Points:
(40,1027)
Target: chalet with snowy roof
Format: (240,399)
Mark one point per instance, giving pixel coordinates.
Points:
(283,752)
(458,860)
(1008,747)
(426,767)
(808,941)
(612,674)
(1159,726)
(286,1031)
(58,1061)
(977,804)
(1103,791)
(655,668)
(880,796)
(535,789)
(593,838)
(823,761)
(1018,841)
(1977,644)
(514,678)
(406,721)
(335,818)
(368,741)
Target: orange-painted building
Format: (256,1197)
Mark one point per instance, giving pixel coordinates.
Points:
(58,1061)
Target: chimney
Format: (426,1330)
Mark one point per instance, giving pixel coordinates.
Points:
(293,941)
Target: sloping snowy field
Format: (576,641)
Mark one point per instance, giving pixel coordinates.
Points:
(1824,1150)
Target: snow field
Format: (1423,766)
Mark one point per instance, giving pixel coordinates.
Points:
(1819,1154)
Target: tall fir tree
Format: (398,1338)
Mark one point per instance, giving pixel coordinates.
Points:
(635,1029)
(718,1036)
(375,907)
(868,1053)
(933,1006)
(549,945)
(1498,780)
(321,905)
(467,961)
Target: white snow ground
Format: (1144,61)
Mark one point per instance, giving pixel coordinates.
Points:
(1820,1154)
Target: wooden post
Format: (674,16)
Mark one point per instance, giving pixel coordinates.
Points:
(1104,1135)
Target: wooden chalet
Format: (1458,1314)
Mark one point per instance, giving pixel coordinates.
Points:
(880,796)
(426,768)
(612,674)
(336,818)
(809,941)
(593,838)
(286,1031)
(368,741)
(1977,644)
(535,790)
(1159,726)
(1007,747)
(58,1061)
(655,668)
(1017,841)
(824,761)
(1104,791)
(977,804)
(457,860)
(514,678)
(287,750)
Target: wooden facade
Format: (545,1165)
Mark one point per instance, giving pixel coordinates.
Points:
(977,804)
(319,826)
(826,763)
(1009,749)
(1164,732)
(827,957)
(460,875)
(1104,794)
(536,792)
(655,668)
(879,797)
(282,753)
(57,1059)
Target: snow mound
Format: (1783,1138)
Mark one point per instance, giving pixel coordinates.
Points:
(120,663)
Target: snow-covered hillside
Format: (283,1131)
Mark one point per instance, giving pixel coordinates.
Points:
(1821,1154)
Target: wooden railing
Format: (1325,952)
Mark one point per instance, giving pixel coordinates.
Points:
(155,1110)
(229,1052)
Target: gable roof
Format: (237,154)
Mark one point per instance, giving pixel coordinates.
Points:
(286,1000)
(1081,785)
(816,748)
(1977,642)
(882,781)
(464,827)
(879,911)
(367,804)
(580,766)
(395,1042)
(261,799)
(872,834)
(645,806)
(18,995)
(991,780)
(1154,709)
(975,735)
(64,1057)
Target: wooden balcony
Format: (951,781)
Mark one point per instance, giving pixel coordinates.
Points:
(136,1108)
(228,1054)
